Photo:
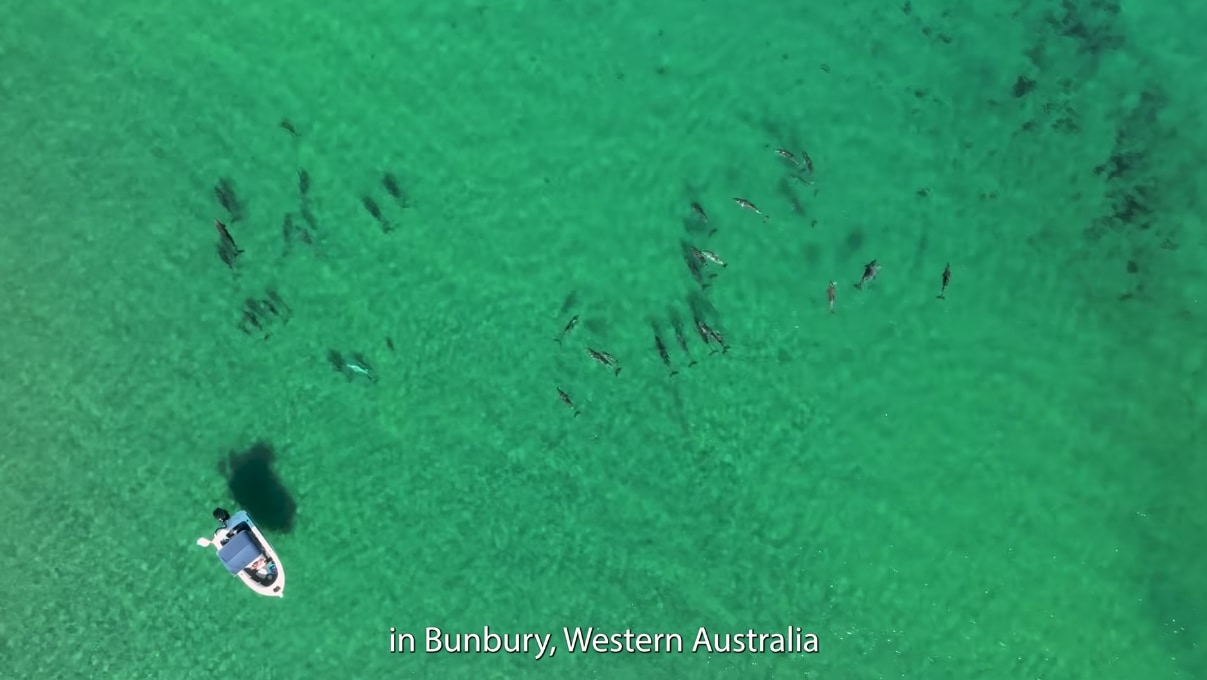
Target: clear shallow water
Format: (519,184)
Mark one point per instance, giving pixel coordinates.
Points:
(995,485)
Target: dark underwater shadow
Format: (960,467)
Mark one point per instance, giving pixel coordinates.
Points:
(257,489)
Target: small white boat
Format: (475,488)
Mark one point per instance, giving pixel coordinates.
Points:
(245,553)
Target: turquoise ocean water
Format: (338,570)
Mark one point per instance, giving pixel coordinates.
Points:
(999,484)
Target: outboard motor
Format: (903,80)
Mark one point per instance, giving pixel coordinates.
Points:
(221,515)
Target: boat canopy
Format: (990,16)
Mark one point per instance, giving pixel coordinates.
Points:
(239,552)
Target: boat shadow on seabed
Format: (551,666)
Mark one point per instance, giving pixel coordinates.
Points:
(256,488)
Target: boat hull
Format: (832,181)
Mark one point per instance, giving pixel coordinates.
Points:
(248,555)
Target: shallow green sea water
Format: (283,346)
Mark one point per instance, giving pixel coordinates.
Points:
(995,485)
